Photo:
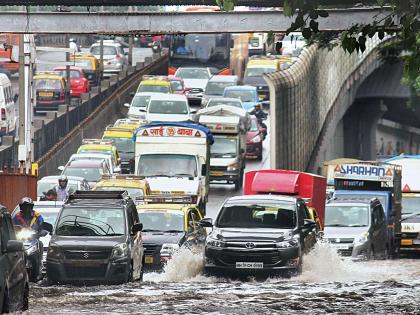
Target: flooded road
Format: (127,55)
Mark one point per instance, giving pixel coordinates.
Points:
(328,284)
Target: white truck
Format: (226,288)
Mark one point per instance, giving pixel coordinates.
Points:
(410,201)
(174,158)
(227,161)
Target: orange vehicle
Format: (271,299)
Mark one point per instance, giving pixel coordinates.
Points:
(9,52)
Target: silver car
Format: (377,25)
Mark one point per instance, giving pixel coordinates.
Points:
(357,228)
(114,56)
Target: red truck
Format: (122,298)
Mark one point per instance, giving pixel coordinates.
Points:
(310,187)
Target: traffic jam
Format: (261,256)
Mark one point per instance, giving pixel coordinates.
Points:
(180,188)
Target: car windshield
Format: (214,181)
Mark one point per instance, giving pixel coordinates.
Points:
(95,221)
(124,145)
(224,147)
(257,72)
(153,88)
(48,84)
(281,215)
(244,95)
(108,50)
(91,174)
(168,107)
(177,86)
(74,74)
(83,63)
(254,125)
(216,88)
(132,192)
(167,165)
(45,186)
(346,216)
(215,102)
(161,221)
(48,214)
(140,101)
(189,73)
(410,205)
(349,195)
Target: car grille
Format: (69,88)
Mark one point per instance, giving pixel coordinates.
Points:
(151,249)
(218,168)
(341,240)
(85,272)
(232,257)
(195,91)
(75,254)
(345,252)
(258,245)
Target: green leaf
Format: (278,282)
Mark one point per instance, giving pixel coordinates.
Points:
(288,8)
(306,33)
(314,25)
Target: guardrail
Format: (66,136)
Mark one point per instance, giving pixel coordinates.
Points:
(61,133)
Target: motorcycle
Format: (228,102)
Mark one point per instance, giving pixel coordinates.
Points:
(33,251)
(156,47)
(262,126)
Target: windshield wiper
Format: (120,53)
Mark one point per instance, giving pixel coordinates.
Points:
(151,230)
(357,225)
(182,175)
(173,231)
(114,234)
(337,225)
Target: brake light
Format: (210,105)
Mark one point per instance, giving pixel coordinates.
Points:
(3,114)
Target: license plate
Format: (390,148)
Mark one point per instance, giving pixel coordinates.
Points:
(249,265)
(341,246)
(216,173)
(89,263)
(46,94)
(406,242)
(148,259)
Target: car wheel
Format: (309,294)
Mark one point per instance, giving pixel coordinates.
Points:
(6,302)
(25,301)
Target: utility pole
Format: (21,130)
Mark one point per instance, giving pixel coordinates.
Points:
(26,61)
(130,50)
(68,87)
(101,57)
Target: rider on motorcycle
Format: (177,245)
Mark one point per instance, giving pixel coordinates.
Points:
(27,217)
(260,114)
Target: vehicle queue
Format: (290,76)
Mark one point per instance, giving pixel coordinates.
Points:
(138,194)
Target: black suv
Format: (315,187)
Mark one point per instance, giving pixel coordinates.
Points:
(97,238)
(14,282)
(259,234)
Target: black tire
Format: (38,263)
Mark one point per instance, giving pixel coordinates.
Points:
(237,184)
(6,302)
(25,301)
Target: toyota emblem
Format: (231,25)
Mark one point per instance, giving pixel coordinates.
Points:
(86,255)
(249,245)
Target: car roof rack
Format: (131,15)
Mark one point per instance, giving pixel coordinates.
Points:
(123,176)
(98,194)
(97,141)
(170,199)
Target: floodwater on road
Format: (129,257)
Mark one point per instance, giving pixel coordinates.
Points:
(328,284)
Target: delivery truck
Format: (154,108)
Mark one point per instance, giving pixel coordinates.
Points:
(174,158)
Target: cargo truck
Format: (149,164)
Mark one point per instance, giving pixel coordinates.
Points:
(174,158)
(309,187)
(367,180)
(410,201)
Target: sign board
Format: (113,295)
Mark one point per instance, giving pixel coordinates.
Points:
(364,172)
(171,131)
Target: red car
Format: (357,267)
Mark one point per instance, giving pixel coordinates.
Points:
(254,140)
(177,85)
(78,82)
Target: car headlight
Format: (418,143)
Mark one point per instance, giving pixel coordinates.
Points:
(119,251)
(256,139)
(25,234)
(363,238)
(233,166)
(54,252)
(168,249)
(287,243)
(213,242)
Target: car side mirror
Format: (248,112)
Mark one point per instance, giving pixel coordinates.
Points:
(143,110)
(137,227)
(309,224)
(61,168)
(126,105)
(206,222)
(47,227)
(14,246)
(204,170)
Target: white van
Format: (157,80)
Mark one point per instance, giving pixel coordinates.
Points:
(7,106)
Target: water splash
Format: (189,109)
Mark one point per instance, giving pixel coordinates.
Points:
(186,265)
